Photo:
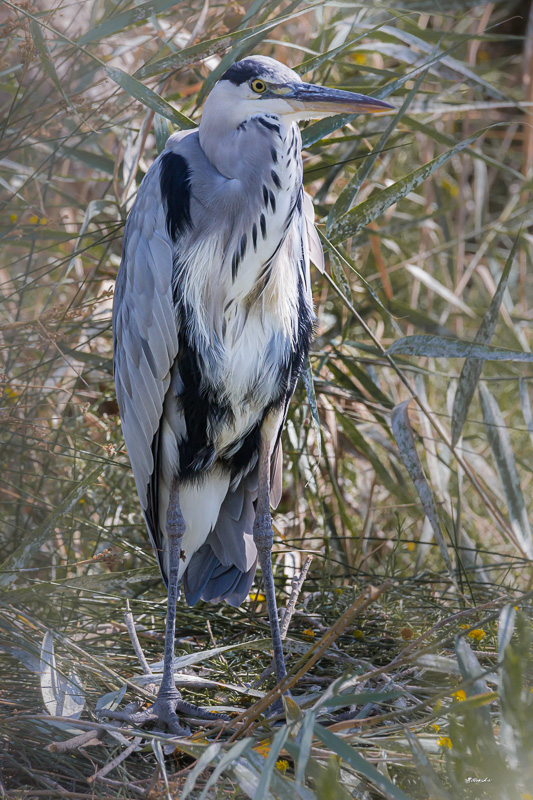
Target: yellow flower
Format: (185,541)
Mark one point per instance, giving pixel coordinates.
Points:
(308,632)
(445,741)
(13,218)
(410,546)
(43,221)
(358,635)
(451,187)
(82,500)
(435,727)
(437,707)
(282,765)
(256,597)
(33,220)
(359,58)
(459,695)
(10,394)
(464,627)
(339,590)
(477,634)
(526,796)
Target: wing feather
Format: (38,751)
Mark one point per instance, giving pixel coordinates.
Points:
(145,336)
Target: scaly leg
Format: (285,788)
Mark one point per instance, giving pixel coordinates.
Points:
(169,700)
(263,538)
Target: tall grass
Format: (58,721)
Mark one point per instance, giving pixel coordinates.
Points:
(416,513)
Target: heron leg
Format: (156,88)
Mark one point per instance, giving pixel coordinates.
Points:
(263,538)
(169,702)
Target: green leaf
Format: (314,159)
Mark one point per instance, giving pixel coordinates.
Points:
(117,23)
(149,98)
(500,444)
(180,662)
(403,433)
(472,672)
(442,138)
(342,258)
(441,347)
(158,752)
(226,760)
(63,696)
(275,748)
(443,57)
(305,741)
(506,623)
(24,553)
(338,274)
(307,377)
(432,784)
(436,286)
(472,368)
(526,406)
(187,56)
(46,59)
(358,763)
(360,216)
(162,132)
(509,685)
(208,756)
(349,193)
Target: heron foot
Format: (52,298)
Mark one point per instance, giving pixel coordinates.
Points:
(164,711)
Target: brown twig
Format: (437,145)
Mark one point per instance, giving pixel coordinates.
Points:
(98,776)
(82,740)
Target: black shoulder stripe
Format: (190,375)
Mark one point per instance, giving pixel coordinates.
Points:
(176,193)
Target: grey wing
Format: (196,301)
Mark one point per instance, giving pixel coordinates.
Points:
(145,337)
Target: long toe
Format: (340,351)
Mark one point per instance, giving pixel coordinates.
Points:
(133,717)
(190,710)
(174,726)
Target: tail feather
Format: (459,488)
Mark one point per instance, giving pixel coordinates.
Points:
(223,568)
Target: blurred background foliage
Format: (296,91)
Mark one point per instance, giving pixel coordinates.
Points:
(425,219)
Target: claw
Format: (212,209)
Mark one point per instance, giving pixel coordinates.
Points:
(165,711)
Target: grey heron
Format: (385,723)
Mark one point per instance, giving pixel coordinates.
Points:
(212,322)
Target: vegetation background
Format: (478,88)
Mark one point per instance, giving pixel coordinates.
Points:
(419,687)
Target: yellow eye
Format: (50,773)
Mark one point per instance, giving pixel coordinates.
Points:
(258,86)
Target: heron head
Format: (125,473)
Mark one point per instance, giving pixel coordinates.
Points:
(259,84)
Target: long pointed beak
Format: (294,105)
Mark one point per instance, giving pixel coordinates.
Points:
(320,99)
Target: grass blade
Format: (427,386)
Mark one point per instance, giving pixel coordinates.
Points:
(472,369)
(432,784)
(149,98)
(500,444)
(441,347)
(403,433)
(360,764)
(360,216)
